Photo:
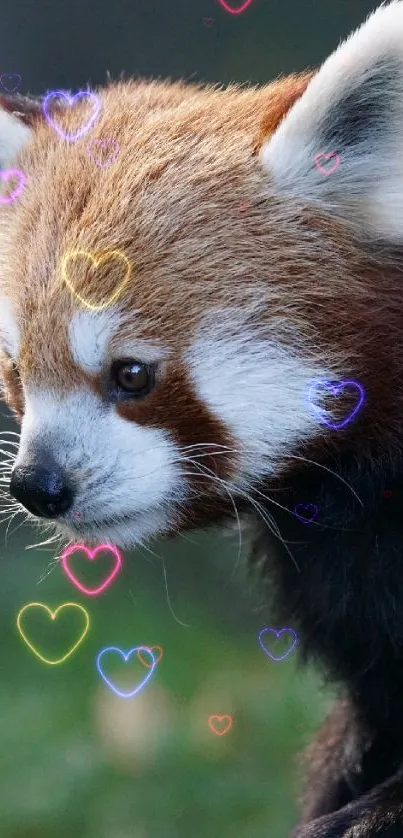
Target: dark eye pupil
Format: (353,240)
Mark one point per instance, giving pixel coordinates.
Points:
(132,377)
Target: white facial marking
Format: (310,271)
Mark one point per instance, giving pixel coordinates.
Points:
(129,470)
(94,335)
(258,388)
(90,333)
(9,331)
(141,350)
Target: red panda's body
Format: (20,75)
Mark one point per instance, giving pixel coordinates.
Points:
(164,322)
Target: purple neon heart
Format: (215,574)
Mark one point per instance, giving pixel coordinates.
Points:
(335,390)
(10,76)
(267,630)
(301,506)
(126,656)
(5,175)
(54,95)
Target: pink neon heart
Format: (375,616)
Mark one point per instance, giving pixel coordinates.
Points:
(95,150)
(231,9)
(327,156)
(91,555)
(5,175)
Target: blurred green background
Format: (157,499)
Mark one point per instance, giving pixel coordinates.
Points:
(75,758)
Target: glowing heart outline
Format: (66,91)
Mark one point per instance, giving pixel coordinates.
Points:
(267,652)
(126,657)
(301,517)
(96,261)
(231,9)
(328,385)
(53,615)
(57,94)
(5,174)
(220,718)
(157,660)
(10,76)
(103,142)
(327,156)
(91,554)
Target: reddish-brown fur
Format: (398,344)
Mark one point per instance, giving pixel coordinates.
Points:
(173,203)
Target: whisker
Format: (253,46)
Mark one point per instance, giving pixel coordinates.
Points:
(325,468)
(229,493)
(8,525)
(264,514)
(57,537)
(185,625)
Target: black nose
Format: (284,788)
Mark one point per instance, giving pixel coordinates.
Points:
(44,491)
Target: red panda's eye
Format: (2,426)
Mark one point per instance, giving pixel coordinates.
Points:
(133,377)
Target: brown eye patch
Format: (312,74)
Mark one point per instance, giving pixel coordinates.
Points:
(11,385)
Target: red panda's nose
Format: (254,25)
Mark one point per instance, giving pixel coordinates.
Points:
(43,491)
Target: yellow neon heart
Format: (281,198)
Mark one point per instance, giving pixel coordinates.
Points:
(53,617)
(96,261)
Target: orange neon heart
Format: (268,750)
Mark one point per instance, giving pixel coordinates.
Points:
(96,261)
(213,720)
(157,660)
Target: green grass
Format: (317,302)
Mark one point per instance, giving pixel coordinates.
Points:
(75,759)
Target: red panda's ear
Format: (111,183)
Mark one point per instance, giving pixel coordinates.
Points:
(341,144)
(18,115)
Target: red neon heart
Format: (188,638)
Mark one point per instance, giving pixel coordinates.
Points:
(156,660)
(220,719)
(91,555)
(231,9)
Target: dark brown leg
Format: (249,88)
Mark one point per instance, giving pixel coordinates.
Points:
(378,814)
(332,764)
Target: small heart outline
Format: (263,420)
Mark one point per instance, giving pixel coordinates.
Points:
(10,76)
(267,652)
(220,718)
(5,175)
(327,156)
(103,142)
(305,506)
(157,660)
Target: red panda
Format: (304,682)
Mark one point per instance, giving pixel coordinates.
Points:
(163,320)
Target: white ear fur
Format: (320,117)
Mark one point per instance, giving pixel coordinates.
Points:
(13,136)
(352,110)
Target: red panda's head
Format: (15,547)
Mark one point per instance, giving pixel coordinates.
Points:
(162,318)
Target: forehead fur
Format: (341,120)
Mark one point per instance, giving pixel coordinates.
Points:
(202,224)
(171,203)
